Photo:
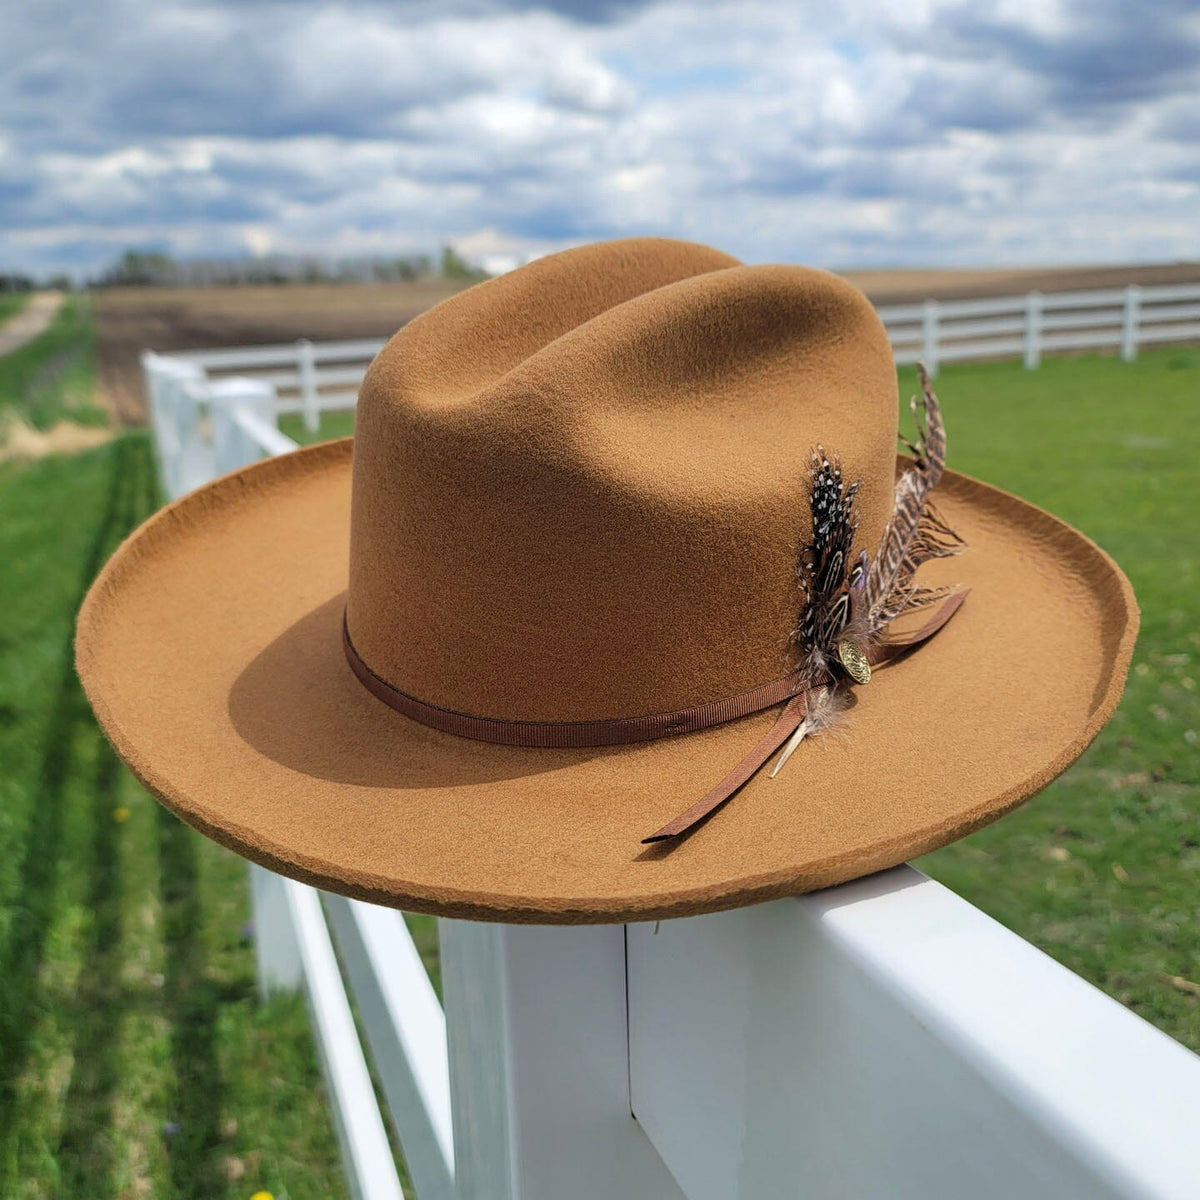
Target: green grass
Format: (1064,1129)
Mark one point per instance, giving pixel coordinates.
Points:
(135,1056)
(11,303)
(1100,869)
(50,378)
(333,425)
(137,1059)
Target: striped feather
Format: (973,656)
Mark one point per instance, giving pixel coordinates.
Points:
(916,532)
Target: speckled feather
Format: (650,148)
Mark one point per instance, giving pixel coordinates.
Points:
(831,583)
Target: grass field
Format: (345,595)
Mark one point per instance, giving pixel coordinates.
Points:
(11,303)
(52,377)
(135,1058)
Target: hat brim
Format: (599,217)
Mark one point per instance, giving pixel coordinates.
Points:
(210,648)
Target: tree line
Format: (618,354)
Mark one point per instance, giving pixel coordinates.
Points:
(152,268)
(142,268)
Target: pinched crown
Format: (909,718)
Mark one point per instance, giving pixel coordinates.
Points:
(579,488)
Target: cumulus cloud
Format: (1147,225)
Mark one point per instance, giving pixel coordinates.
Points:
(933,132)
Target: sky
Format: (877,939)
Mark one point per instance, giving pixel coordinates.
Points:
(845,133)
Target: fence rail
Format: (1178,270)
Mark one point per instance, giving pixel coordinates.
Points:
(1032,325)
(307,377)
(314,377)
(879,1040)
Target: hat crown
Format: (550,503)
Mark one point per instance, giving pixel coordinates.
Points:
(580,489)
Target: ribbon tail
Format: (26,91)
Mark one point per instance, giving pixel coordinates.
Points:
(789,720)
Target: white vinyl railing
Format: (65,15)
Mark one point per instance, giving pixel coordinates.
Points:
(315,377)
(1035,324)
(307,377)
(881,1040)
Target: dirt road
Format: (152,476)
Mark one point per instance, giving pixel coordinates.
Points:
(33,319)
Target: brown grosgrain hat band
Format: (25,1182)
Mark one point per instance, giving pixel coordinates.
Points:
(547,735)
(562,735)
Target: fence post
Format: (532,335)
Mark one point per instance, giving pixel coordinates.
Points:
(1129,322)
(539,1065)
(232,448)
(173,416)
(884,1039)
(307,358)
(929,335)
(1033,331)
(276,948)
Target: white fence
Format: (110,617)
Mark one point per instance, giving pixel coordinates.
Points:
(877,1041)
(312,377)
(307,377)
(1032,325)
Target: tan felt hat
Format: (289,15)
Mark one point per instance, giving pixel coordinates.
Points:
(613,529)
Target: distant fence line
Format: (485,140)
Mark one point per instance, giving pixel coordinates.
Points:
(312,377)
(1037,323)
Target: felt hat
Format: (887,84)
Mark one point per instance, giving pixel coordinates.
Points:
(615,532)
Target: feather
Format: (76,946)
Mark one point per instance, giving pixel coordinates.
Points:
(825,705)
(916,532)
(849,602)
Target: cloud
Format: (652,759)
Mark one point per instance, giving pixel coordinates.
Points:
(934,132)
(1093,55)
